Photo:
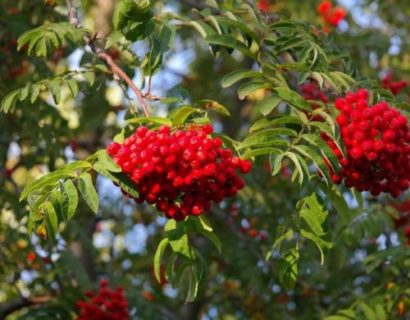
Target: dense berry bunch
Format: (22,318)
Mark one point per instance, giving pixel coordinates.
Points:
(263,5)
(182,171)
(107,304)
(394,86)
(311,91)
(403,221)
(331,15)
(377,143)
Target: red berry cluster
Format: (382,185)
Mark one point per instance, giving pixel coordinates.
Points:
(331,15)
(263,5)
(248,227)
(311,91)
(403,221)
(377,143)
(254,233)
(394,86)
(107,304)
(182,171)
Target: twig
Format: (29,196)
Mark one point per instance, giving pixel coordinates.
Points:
(152,97)
(103,55)
(120,73)
(9,307)
(149,85)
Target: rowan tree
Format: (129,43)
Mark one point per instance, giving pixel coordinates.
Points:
(227,159)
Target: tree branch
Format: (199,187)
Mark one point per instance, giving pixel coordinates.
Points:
(12,306)
(8,308)
(120,73)
(103,55)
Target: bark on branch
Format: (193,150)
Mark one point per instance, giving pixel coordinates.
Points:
(9,307)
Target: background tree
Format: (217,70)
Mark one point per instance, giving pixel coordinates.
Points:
(292,244)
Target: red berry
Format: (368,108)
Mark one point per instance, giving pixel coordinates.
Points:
(324,6)
(179,172)
(107,303)
(113,148)
(377,143)
(246,166)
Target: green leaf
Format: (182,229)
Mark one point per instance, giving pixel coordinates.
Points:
(88,192)
(170,267)
(380,313)
(237,24)
(276,163)
(261,151)
(56,199)
(202,226)
(287,268)
(134,19)
(70,199)
(319,79)
(193,285)
(106,162)
(324,148)
(213,105)
(294,98)
(250,87)
(51,219)
(178,239)
(339,203)
(264,123)
(35,92)
(89,76)
(157,258)
(66,171)
(49,37)
(337,318)
(268,105)
(180,116)
(119,178)
(348,313)
(155,120)
(368,312)
(267,138)
(152,61)
(23,92)
(313,214)
(41,48)
(319,242)
(204,29)
(297,164)
(55,88)
(230,42)
(9,101)
(237,75)
(311,154)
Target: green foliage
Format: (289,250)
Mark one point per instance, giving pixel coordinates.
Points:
(87,191)
(48,37)
(314,215)
(134,19)
(244,76)
(32,91)
(186,268)
(361,311)
(160,44)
